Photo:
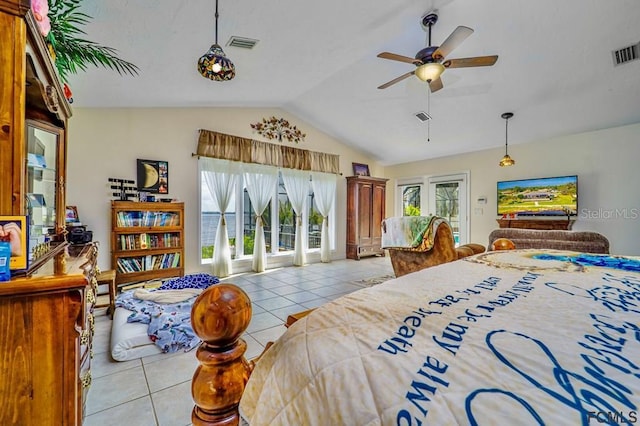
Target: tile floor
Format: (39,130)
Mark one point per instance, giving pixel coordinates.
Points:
(156,390)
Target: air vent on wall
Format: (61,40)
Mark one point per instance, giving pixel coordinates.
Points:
(422,116)
(626,54)
(242,42)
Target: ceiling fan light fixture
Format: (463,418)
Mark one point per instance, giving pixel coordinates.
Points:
(506,160)
(430,71)
(214,64)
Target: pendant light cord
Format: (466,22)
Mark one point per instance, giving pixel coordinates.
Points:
(216,21)
(506,136)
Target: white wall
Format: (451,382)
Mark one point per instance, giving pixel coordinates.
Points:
(105,143)
(606,162)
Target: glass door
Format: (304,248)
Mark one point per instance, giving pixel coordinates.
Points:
(42,186)
(448,199)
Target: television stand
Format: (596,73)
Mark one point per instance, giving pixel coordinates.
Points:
(541,224)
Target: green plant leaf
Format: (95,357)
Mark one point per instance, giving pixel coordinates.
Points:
(74,53)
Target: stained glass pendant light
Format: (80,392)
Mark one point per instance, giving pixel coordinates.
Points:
(506,160)
(214,64)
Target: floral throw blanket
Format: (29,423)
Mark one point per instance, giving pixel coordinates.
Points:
(169,324)
(408,232)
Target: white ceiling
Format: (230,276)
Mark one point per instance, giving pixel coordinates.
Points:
(317,60)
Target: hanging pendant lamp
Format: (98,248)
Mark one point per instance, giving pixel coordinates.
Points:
(214,64)
(506,160)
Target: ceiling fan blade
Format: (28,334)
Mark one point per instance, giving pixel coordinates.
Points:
(477,61)
(435,85)
(401,58)
(396,80)
(455,38)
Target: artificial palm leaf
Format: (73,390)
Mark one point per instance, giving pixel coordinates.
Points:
(73,53)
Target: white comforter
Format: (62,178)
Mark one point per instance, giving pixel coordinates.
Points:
(498,338)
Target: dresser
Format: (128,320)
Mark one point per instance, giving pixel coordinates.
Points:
(46,333)
(366,197)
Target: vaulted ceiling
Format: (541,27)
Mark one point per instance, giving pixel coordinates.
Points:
(317,60)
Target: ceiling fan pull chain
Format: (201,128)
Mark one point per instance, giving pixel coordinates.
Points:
(429,109)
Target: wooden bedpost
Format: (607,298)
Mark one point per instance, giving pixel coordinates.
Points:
(219,316)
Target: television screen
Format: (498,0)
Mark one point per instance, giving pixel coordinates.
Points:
(554,196)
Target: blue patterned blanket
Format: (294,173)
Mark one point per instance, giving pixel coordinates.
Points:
(169,324)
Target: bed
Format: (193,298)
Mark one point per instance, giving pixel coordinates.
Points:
(503,337)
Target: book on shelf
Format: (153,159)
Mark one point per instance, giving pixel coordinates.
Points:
(147,218)
(144,241)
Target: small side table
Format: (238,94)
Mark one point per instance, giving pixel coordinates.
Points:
(108,277)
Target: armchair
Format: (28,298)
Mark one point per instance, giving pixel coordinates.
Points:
(438,246)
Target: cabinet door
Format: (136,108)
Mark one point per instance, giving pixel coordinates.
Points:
(365,198)
(377,215)
(43,183)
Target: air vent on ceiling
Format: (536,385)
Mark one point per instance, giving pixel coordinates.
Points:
(422,116)
(242,42)
(626,54)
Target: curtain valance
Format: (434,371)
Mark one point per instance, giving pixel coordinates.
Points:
(235,148)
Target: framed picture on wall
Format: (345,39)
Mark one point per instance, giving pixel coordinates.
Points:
(360,169)
(153,176)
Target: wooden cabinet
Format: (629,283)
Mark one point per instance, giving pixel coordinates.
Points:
(46,333)
(45,311)
(365,212)
(147,240)
(541,224)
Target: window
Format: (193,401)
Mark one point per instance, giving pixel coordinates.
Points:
(411,200)
(279,220)
(315,222)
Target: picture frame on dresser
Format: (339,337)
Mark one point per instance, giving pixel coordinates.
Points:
(14,230)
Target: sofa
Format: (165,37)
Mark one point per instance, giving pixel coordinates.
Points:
(581,241)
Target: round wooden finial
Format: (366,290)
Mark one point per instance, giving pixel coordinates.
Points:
(221,314)
(503,244)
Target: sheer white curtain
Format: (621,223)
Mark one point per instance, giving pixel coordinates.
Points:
(220,177)
(261,182)
(324,192)
(296,183)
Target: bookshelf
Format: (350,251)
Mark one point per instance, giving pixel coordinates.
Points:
(147,240)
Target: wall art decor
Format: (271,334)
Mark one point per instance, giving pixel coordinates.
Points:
(278,128)
(153,176)
(360,169)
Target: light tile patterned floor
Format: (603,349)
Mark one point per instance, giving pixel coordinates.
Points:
(156,390)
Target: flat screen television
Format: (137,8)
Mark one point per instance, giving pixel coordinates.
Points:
(552,196)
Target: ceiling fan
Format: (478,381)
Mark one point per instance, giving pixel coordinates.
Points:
(430,62)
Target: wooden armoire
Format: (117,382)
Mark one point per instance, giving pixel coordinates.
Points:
(366,198)
(46,322)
